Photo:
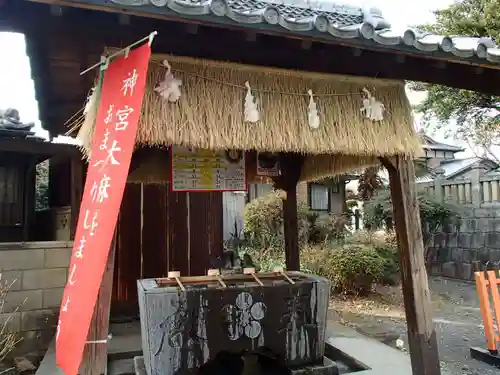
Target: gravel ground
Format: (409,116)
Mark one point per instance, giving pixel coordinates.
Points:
(456,315)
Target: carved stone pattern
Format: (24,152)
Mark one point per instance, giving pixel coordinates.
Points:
(244,317)
(298,312)
(175,325)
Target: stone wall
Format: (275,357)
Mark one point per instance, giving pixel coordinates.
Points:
(461,249)
(37,272)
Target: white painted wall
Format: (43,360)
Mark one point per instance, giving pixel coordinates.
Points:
(233,205)
(233,208)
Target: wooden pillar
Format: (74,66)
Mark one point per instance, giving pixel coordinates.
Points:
(341,184)
(29,200)
(59,183)
(77,185)
(421,332)
(357,219)
(291,166)
(291,229)
(95,353)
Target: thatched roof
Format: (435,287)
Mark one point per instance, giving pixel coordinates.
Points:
(209,115)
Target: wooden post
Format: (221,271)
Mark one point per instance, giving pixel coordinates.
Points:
(291,229)
(485,307)
(291,166)
(29,200)
(341,183)
(421,332)
(77,185)
(95,354)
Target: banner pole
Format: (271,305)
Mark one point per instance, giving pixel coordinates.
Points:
(150,38)
(120,95)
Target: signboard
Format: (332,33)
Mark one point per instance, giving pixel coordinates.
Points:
(113,143)
(205,170)
(267,164)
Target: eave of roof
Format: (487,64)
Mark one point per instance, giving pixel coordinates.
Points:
(55,108)
(470,163)
(37,147)
(443,147)
(431,144)
(452,168)
(343,24)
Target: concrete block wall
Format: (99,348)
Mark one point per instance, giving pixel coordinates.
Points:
(460,249)
(37,273)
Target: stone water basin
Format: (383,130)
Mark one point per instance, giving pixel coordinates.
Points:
(183,326)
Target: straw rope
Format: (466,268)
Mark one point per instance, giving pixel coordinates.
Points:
(209,115)
(256,90)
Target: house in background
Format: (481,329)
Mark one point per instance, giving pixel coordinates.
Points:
(441,161)
(441,173)
(436,151)
(326,196)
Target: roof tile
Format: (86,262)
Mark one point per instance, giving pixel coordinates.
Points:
(339,21)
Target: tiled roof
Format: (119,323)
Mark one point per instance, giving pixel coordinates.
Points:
(443,147)
(424,179)
(344,22)
(431,144)
(453,167)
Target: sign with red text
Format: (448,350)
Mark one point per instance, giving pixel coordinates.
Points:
(118,114)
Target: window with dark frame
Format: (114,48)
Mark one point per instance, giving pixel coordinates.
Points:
(319,197)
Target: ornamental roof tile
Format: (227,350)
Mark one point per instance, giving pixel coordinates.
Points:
(331,20)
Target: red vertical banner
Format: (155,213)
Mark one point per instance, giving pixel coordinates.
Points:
(118,114)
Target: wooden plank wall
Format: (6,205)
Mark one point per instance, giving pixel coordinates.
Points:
(163,244)
(17,196)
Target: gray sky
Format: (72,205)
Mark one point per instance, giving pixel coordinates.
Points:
(16,88)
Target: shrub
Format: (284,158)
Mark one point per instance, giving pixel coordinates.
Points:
(390,276)
(328,227)
(352,265)
(353,269)
(264,259)
(385,245)
(434,214)
(264,221)
(8,339)
(374,251)
(315,259)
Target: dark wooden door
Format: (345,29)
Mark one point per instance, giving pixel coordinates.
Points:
(161,231)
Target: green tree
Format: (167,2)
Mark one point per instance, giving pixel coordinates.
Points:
(370,181)
(434,214)
(42,186)
(477,115)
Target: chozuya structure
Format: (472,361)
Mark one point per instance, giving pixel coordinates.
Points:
(320,84)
